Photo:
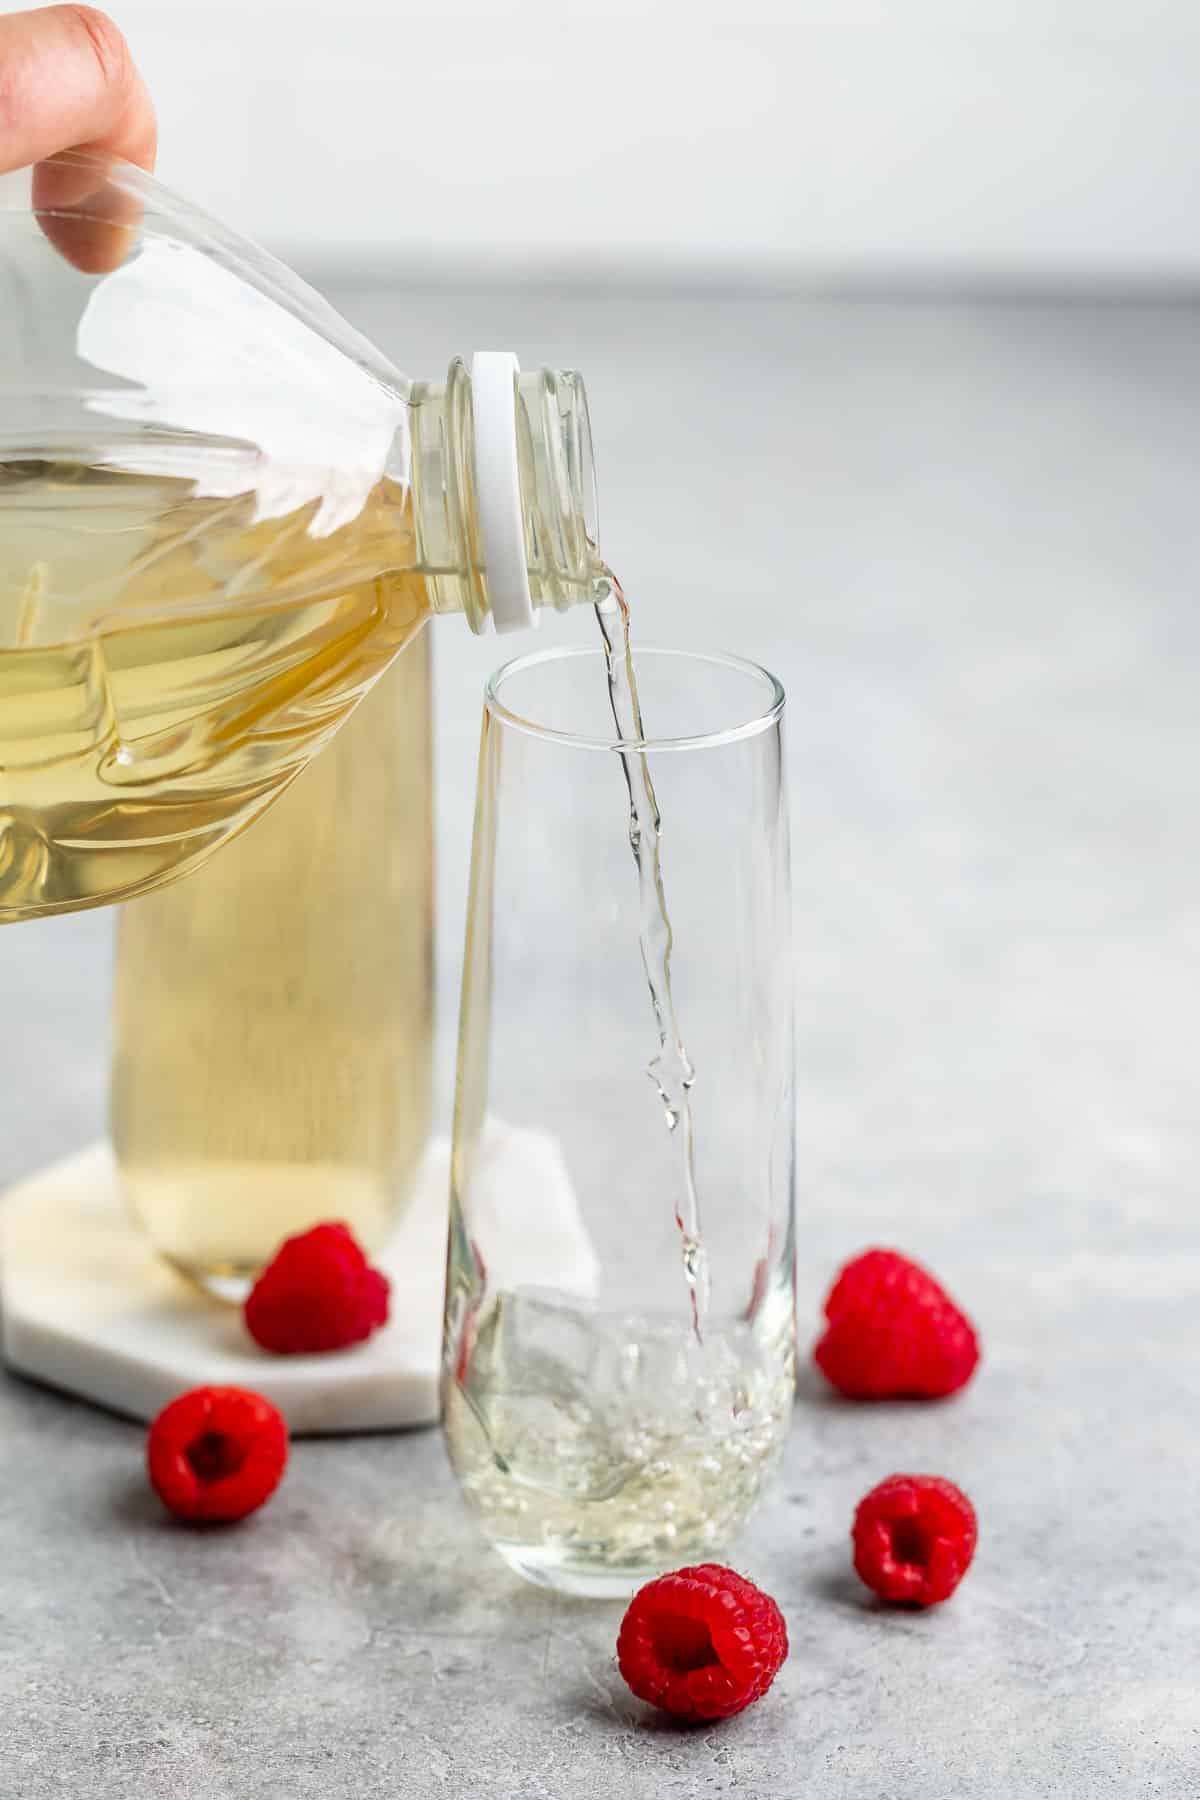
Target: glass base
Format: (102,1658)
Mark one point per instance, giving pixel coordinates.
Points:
(586,1581)
(228,1285)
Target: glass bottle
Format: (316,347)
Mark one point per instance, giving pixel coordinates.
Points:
(273,1013)
(223,514)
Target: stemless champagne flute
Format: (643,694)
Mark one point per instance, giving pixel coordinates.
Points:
(620,1318)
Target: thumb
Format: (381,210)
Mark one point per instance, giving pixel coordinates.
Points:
(68,81)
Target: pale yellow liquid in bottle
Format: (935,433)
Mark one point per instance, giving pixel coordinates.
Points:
(168,665)
(274,1011)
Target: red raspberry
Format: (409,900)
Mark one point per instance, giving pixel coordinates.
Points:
(914,1537)
(216,1453)
(702,1643)
(894,1333)
(319,1293)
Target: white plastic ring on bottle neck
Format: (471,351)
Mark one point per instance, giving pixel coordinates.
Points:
(498,488)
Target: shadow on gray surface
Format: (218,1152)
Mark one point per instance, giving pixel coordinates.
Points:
(837,1585)
(624,1714)
(134,1505)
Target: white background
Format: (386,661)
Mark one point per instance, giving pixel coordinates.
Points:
(1021,140)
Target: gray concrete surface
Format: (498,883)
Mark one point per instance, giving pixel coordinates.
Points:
(966,537)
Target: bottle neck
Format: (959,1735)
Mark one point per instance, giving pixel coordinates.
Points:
(557,493)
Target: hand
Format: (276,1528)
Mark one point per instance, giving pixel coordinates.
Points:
(67,82)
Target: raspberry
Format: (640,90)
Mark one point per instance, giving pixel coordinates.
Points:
(216,1453)
(914,1537)
(894,1333)
(319,1293)
(702,1643)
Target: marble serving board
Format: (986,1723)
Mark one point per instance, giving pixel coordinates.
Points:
(88,1307)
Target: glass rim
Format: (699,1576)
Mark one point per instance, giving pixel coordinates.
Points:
(750,727)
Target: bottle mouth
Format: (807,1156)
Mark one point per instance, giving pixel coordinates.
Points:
(556,500)
(558,487)
(570,477)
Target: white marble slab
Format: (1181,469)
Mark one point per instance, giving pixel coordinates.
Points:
(89,1307)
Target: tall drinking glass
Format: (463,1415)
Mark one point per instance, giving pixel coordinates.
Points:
(620,1319)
